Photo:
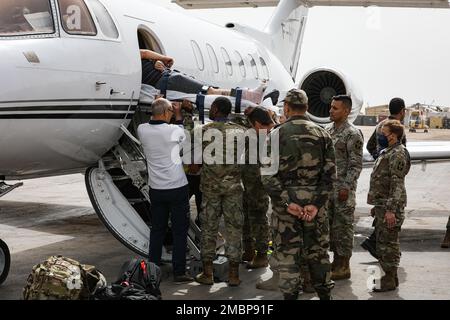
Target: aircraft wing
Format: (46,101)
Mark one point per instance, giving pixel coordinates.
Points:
(423,150)
(204,4)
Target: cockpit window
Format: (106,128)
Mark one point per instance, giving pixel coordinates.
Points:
(75,18)
(104,19)
(25,17)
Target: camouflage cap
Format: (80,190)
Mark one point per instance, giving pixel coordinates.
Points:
(296,96)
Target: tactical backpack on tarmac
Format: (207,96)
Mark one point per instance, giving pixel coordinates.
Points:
(138,280)
(61,278)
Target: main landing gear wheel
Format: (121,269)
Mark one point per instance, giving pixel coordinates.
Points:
(5,261)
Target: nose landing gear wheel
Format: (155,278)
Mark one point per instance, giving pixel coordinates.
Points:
(5,261)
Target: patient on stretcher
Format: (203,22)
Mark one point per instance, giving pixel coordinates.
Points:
(157,72)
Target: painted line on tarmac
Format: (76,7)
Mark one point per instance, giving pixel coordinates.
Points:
(21,239)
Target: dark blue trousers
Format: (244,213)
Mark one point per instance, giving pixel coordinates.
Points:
(173,203)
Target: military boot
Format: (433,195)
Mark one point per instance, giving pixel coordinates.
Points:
(343,269)
(259,261)
(291,296)
(206,277)
(270,284)
(307,282)
(446,242)
(370,244)
(388,280)
(249,251)
(325,297)
(233,274)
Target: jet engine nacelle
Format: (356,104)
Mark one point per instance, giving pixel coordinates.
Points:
(321,85)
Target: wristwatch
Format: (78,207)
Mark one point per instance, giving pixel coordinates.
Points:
(205,89)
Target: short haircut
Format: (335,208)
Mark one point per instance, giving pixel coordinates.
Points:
(396,106)
(345,99)
(297,107)
(223,105)
(160,106)
(395,127)
(261,115)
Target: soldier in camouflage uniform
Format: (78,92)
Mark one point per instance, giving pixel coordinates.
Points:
(376,143)
(255,235)
(348,145)
(222,194)
(388,195)
(299,192)
(263,120)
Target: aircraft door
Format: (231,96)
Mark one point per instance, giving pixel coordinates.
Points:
(93,44)
(72,47)
(63,60)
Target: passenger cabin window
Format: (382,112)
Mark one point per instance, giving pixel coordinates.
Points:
(26,17)
(76,19)
(227,60)
(265,68)
(253,66)
(241,64)
(104,19)
(198,55)
(213,58)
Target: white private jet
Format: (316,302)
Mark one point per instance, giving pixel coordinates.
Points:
(71,82)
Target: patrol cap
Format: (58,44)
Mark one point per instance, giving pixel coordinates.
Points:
(296,96)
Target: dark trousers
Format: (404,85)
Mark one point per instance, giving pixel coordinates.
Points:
(194,190)
(173,202)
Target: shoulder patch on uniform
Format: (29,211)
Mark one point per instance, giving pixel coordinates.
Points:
(400,166)
(358,144)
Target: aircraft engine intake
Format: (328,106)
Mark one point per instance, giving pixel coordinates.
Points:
(321,85)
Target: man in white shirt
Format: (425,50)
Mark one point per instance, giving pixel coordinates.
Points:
(169,193)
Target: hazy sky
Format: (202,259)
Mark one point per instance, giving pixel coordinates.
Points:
(386,52)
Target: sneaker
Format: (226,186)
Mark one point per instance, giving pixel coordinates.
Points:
(182,278)
(255,95)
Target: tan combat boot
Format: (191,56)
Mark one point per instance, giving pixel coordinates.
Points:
(388,280)
(342,270)
(249,252)
(206,277)
(233,274)
(259,261)
(270,284)
(446,242)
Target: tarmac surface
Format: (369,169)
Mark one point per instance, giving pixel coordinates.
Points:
(51,216)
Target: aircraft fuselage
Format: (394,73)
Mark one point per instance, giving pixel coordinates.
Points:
(64,96)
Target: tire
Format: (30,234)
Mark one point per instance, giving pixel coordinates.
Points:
(5,261)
